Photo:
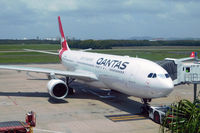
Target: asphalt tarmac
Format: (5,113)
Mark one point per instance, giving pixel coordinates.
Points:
(83,112)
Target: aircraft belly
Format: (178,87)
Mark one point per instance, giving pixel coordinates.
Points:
(145,92)
(114,83)
(119,83)
(97,84)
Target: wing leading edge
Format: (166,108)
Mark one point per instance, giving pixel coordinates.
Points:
(77,75)
(40,51)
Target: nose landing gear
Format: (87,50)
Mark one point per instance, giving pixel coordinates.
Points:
(145,106)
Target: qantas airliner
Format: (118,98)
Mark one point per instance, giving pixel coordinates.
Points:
(132,76)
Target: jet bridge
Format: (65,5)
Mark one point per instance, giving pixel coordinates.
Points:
(184,70)
(170,67)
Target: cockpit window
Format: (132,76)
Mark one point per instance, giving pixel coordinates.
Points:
(150,75)
(161,76)
(167,75)
(154,75)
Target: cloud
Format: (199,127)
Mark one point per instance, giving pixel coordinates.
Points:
(45,6)
(91,18)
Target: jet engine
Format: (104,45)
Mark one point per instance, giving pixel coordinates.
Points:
(57,88)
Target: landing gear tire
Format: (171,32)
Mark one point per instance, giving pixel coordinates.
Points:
(145,107)
(71,91)
(146,100)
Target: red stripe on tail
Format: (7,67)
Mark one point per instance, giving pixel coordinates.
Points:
(63,40)
(192,54)
(64,44)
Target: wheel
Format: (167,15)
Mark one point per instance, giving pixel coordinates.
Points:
(149,100)
(157,117)
(71,91)
(146,100)
(144,110)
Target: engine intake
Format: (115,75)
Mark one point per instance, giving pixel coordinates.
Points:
(57,88)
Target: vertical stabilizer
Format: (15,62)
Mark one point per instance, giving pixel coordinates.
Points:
(64,44)
(193,55)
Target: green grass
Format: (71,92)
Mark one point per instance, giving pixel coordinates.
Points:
(153,55)
(13,54)
(26,57)
(19,47)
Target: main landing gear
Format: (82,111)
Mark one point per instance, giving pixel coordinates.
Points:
(145,106)
(68,81)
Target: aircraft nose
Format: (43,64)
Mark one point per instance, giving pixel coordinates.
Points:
(168,86)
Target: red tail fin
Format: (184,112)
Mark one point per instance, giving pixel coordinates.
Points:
(193,55)
(63,40)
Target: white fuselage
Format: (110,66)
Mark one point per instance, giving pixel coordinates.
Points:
(121,73)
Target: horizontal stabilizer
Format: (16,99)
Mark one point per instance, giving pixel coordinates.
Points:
(39,51)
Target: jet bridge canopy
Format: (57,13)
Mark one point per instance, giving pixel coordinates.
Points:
(170,67)
(182,71)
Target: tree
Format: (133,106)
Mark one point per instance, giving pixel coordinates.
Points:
(184,117)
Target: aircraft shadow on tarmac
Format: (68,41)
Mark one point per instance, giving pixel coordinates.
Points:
(34,94)
(82,91)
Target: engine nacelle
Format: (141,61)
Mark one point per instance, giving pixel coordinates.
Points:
(57,88)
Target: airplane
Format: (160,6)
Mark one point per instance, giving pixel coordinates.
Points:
(132,76)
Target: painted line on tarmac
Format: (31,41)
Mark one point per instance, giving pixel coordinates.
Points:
(125,117)
(49,131)
(12,100)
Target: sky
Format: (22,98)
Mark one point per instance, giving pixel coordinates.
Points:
(100,19)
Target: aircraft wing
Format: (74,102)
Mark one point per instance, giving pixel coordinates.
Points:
(47,52)
(83,50)
(77,75)
(40,51)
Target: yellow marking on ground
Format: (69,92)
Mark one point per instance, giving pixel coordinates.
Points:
(126,117)
(117,119)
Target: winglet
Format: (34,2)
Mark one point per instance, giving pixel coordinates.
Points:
(63,40)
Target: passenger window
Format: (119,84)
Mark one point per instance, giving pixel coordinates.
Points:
(150,75)
(154,75)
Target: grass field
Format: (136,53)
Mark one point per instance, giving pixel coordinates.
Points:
(152,52)
(14,54)
(19,47)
